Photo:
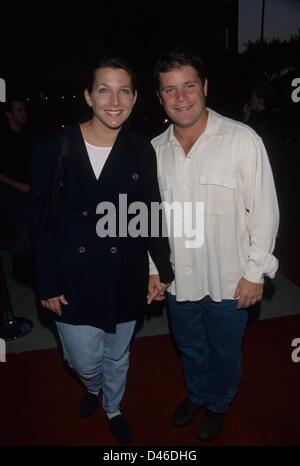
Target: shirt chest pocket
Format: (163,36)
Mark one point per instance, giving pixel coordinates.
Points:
(218,192)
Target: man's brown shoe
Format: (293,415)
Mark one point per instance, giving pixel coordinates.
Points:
(185,413)
(210,425)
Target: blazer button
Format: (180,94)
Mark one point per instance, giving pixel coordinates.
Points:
(84,213)
(113,250)
(82,249)
(135,176)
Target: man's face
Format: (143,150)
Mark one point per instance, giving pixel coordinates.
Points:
(183,96)
(18,113)
(112,97)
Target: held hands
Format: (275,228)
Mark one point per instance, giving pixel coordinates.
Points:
(248,293)
(156,289)
(53,304)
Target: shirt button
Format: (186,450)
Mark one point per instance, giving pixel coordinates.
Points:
(113,250)
(135,176)
(82,250)
(61,183)
(84,213)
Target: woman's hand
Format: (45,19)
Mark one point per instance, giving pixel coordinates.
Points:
(156,289)
(53,304)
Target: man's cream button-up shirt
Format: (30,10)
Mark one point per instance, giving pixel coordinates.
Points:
(228,170)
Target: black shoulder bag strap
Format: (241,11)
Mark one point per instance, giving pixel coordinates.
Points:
(58,176)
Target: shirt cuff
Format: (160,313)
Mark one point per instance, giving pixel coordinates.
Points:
(260,264)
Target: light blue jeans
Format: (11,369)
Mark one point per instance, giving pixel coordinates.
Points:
(100,359)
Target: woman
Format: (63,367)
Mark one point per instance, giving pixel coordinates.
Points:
(96,285)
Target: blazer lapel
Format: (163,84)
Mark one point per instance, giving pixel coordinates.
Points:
(115,174)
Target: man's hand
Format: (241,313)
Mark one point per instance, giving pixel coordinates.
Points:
(53,304)
(248,293)
(156,289)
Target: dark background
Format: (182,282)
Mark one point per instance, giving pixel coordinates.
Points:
(46,48)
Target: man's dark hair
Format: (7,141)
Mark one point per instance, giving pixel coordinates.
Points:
(177,57)
(116,63)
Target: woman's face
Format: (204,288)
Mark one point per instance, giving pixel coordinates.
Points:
(112,97)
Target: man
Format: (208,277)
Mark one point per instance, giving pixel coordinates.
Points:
(14,171)
(276,131)
(206,157)
(259,113)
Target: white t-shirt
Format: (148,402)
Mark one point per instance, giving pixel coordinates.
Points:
(97,156)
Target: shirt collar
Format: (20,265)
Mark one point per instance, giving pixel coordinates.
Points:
(215,124)
(214,127)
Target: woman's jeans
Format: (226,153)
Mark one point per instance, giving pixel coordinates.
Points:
(209,335)
(100,359)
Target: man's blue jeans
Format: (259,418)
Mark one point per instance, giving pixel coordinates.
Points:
(209,335)
(100,359)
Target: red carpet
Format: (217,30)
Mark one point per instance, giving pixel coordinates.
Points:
(40,399)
